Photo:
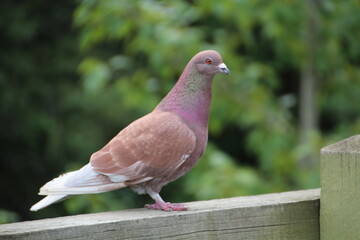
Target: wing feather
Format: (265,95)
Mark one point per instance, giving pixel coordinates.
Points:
(154,145)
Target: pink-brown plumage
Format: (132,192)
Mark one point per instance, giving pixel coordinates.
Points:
(146,143)
(153,150)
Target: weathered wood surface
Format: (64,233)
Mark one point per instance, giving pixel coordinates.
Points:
(288,215)
(340,190)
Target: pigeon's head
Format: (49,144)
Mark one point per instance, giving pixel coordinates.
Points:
(209,62)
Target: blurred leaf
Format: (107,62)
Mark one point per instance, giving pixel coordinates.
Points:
(8,217)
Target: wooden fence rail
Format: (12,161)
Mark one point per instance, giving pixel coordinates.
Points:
(278,216)
(288,215)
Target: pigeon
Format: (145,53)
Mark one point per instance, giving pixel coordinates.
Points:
(154,150)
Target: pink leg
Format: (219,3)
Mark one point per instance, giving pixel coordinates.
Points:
(161,205)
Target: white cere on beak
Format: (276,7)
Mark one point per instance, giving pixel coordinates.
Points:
(223,68)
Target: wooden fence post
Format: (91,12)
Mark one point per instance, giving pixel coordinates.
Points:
(340,190)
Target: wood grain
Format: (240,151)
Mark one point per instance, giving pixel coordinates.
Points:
(288,215)
(340,190)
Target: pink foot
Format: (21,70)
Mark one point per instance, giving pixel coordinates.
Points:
(167,206)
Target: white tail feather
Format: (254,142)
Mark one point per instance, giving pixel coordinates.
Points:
(83,181)
(47,201)
(81,190)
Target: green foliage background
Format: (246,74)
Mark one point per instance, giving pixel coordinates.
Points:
(74,73)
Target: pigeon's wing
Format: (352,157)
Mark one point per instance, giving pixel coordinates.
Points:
(152,146)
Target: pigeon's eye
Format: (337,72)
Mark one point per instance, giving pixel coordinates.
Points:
(208,61)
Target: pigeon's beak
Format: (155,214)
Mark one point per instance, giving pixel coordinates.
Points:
(223,68)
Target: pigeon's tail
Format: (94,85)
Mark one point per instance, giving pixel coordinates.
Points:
(83,181)
(48,201)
